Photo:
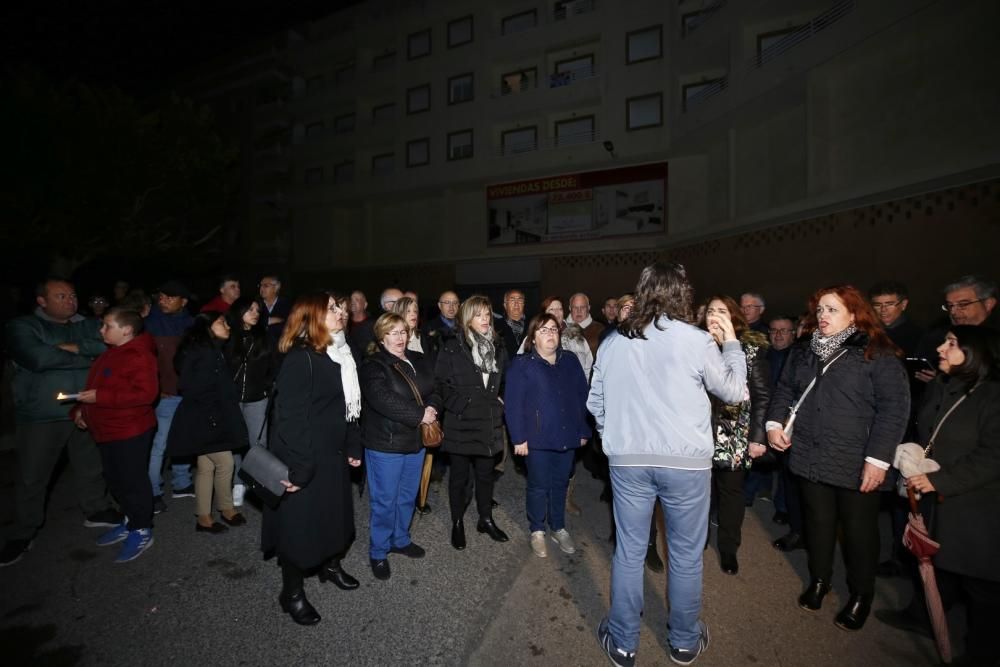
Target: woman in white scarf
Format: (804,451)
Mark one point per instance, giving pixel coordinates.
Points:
(340,352)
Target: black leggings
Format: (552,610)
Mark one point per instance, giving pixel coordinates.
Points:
(458,480)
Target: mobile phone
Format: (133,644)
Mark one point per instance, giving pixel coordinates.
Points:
(915,364)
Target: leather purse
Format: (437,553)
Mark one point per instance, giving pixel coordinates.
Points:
(263,472)
(431,434)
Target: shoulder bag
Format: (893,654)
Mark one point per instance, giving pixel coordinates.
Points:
(431,434)
(802,398)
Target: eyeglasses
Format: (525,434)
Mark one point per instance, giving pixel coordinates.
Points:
(547,330)
(885,305)
(516,299)
(398,332)
(961,305)
(267,285)
(780,331)
(750,306)
(450,303)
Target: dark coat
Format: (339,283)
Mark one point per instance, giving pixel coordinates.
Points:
(473,414)
(906,335)
(546,404)
(859,408)
(390,416)
(759,390)
(208,418)
(966,523)
(511,341)
(254,368)
(311,435)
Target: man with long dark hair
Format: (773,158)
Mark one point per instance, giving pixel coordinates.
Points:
(648,396)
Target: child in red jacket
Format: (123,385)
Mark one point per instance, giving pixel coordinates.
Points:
(117,407)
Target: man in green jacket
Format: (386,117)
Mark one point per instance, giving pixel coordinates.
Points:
(51,351)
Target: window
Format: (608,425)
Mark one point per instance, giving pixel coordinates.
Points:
(384,62)
(460,32)
(460,88)
(568,71)
(344,124)
(314,85)
(520,140)
(418,45)
(314,175)
(460,145)
(644,111)
(567,9)
(692,20)
(418,152)
(314,129)
(519,81)
(343,172)
(383,164)
(769,44)
(575,131)
(418,98)
(344,73)
(519,22)
(383,112)
(642,45)
(695,92)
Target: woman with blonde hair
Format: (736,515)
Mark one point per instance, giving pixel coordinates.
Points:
(314,432)
(469,377)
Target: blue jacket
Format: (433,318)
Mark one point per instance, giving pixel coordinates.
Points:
(546,404)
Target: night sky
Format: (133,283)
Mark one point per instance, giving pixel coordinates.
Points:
(141,46)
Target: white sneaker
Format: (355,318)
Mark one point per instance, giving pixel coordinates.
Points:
(565,542)
(238,491)
(538,544)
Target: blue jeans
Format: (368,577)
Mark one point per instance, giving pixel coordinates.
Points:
(181,471)
(393,482)
(548,479)
(253,415)
(684,496)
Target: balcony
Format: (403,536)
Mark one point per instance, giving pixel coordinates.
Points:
(518,145)
(566,10)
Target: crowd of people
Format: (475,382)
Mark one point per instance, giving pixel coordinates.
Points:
(696,407)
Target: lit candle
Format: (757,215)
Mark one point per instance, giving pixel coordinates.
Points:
(66,397)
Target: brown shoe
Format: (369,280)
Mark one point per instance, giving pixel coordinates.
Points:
(235,520)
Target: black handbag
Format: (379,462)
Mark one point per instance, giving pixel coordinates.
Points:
(262,472)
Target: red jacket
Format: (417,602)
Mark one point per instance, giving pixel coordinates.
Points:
(217,304)
(127,386)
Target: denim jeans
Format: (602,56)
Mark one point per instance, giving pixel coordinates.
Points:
(393,482)
(181,471)
(253,415)
(548,479)
(684,496)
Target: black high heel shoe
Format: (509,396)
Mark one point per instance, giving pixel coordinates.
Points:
(853,616)
(458,535)
(812,598)
(297,606)
(335,573)
(487,526)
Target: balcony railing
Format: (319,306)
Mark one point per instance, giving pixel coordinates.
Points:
(563,140)
(569,8)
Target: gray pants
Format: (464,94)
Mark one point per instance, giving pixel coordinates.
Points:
(253,415)
(39,447)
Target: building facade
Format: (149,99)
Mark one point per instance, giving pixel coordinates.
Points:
(376,141)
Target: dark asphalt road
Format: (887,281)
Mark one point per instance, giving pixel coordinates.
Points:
(198,599)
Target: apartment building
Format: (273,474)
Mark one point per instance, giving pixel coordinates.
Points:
(442,141)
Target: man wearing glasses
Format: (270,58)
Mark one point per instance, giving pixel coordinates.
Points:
(890,299)
(444,325)
(277,308)
(752,307)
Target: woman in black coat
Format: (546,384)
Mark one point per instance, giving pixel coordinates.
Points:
(844,438)
(469,373)
(313,524)
(407,308)
(208,423)
(390,431)
(738,429)
(967,447)
(252,363)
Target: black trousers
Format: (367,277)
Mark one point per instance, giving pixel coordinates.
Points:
(126,470)
(824,507)
(730,507)
(982,606)
(793,495)
(458,480)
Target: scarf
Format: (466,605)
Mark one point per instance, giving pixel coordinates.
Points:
(340,352)
(517,326)
(825,346)
(483,352)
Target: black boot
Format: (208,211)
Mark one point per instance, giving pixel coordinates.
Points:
(293,598)
(458,535)
(790,542)
(487,526)
(653,561)
(812,598)
(855,613)
(332,571)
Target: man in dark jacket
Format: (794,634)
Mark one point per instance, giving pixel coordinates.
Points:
(52,351)
(167,322)
(890,299)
